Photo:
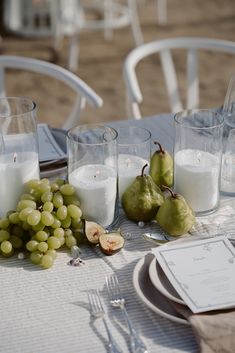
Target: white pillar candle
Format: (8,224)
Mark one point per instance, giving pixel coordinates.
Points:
(129,166)
(96,187)
(15,170)
(196,177)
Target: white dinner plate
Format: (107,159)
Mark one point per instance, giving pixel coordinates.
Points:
(150,296)
(161,282)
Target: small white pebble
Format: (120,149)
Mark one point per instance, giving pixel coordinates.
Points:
(141,224)
(127,235)
(21,256)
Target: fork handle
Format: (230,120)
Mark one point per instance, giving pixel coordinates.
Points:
(113,347)
(137,345)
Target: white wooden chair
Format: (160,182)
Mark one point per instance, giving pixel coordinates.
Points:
(59,18)
(84,93)
(164,48)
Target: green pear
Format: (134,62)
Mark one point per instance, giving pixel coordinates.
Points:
(142,198)
(175,216)
(161,167)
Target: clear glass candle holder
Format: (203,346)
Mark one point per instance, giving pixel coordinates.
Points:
(92,170)
(134,151)
(19,161)
(197,158)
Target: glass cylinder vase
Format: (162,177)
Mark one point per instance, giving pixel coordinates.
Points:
(92,170)
(197,158)
(19,161)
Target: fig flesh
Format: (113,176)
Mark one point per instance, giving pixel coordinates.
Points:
(110,243)
(93,231)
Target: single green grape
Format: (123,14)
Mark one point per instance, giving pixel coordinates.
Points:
(66,222)
(59,232)
(67,189)
(4,235)
(61,213)
(26,203)
(53,243)
(23,215)
(56,223)
(54,187)
(52,253)
(47,218)
(68,232)
(71,200)
(48,206)
(32,245)
(38,227)
(74,211)
(77,223)
(6,247)
(42,246)
(47,261)
(45,181)
(41,235)
(14,218)
(32,184)
(36,195)
(59,181)
(43,187)
(36,257)
(4,223)
(27,197)
(57,199)
(47,196)
(16,242)
(34,218)
(70,241)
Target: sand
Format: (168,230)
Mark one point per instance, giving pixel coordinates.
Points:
(101,62)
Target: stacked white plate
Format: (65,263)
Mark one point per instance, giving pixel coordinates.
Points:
(55,167)
(155,290)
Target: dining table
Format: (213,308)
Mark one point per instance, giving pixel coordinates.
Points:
(47,310)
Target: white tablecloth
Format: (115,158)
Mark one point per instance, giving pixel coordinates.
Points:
(46,311)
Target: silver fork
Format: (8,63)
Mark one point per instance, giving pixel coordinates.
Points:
(97,310)
(117,300)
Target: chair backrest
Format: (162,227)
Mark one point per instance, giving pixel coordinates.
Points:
(164,48)
(83,91)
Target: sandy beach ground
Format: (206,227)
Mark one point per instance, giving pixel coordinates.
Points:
(101,61)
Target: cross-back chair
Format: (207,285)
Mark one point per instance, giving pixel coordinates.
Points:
(164,48)
(84,93)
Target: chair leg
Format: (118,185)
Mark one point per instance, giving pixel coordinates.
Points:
(108,16)
(162,11)
(135,23)
(73,52)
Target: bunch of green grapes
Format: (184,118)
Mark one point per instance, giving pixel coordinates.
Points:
(46,218)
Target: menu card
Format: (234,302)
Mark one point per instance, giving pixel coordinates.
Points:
(49,149)
(201,271)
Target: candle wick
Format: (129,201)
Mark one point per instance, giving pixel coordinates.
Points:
(14,157)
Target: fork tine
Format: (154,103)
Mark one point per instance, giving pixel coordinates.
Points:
(113,286)
(95,301)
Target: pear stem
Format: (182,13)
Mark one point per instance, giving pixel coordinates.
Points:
(142,171)
(173,194)
(161,150)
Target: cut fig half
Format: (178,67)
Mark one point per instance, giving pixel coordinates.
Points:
(93,231)
(110,243)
